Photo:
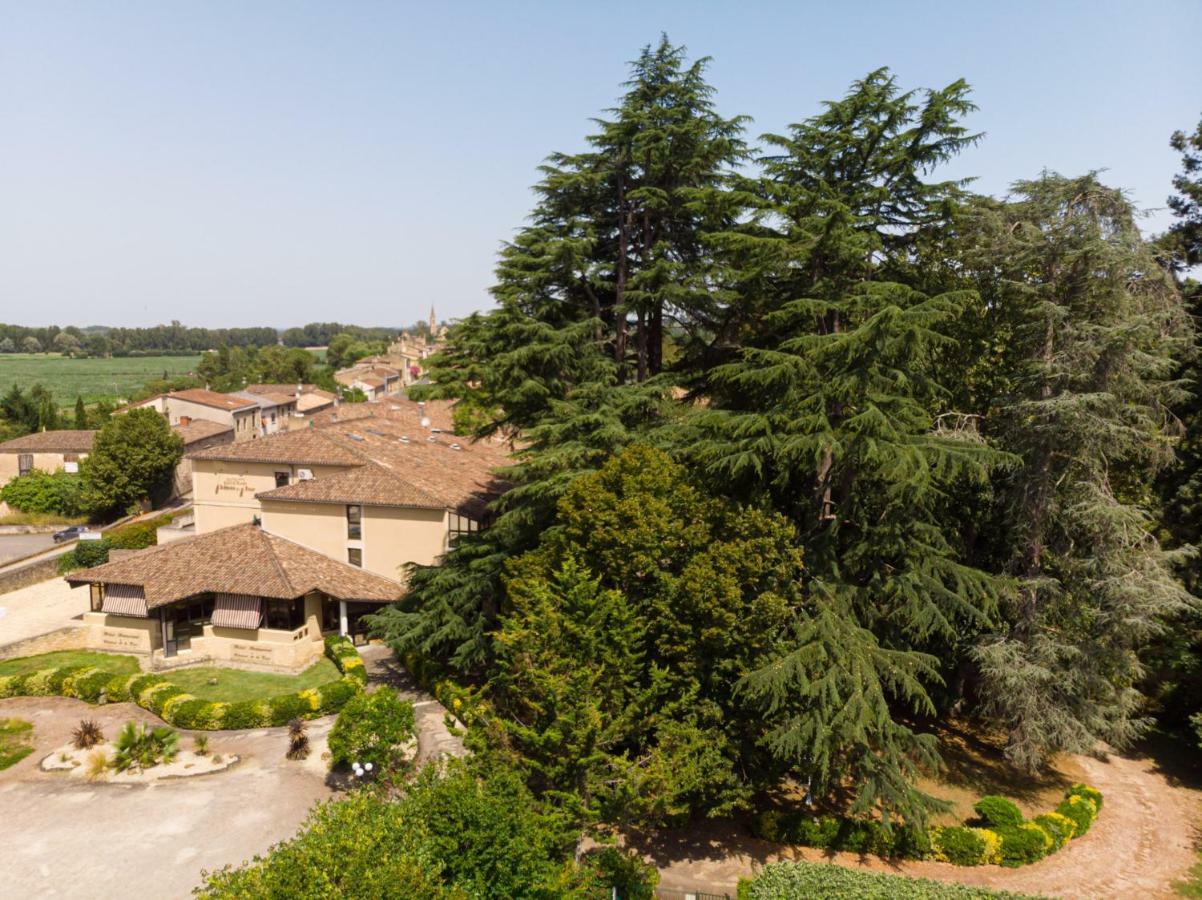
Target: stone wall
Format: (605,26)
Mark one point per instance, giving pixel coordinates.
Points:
(15,579)
(71,638)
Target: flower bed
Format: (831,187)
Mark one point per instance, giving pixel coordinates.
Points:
(1001,836)
(803,880)
(173,705)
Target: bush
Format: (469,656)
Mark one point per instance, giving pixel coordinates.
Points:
(966,846)
(343,654)
(1060,829)
(1082,810)
(998,812)
(803,880)
(447,834)
(171,703)
(84,555)
(59,494)
(372,728)
(139,748)
(1023,844)
(1089,793)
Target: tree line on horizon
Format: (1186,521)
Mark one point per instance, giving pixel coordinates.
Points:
(814,451)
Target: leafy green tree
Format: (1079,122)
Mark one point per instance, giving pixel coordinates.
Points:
(58,493)
(1184,240)
(20,409)
(624,634)
(31,345)
(81,415)
(7,346)
(372,728)
(1094,326)
(132,459)
(450,834)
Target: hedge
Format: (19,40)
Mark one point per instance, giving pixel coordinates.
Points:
(1007,839)
(174,706)
(804,880)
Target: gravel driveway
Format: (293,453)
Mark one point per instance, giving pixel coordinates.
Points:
(72,839)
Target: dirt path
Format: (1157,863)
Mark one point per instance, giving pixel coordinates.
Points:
(1140,845)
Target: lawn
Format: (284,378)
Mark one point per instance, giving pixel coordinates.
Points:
(92,379)
(114,662)
(233,685)
(15,741)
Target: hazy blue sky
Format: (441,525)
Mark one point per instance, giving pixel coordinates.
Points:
(244,163)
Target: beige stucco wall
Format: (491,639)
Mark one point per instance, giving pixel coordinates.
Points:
(391,538)
(10,463)
(261,647)
(318,526)
(122,634)
(223,492)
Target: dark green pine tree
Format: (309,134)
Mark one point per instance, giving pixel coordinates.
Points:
(830,414)
(1094,326)
(565,364)
(81,415)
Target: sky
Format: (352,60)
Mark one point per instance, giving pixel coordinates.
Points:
(276,163)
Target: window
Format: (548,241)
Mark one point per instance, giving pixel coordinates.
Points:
(284,615)
(97,591)
(354,556)
(458,525)
(281,479)
(24,463)
(354,523)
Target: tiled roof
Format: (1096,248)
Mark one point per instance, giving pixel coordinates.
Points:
(51,442)
(306,446)
(228,402)
(410,465)
(200,429)
(241,559)
(371,485)
(266,400)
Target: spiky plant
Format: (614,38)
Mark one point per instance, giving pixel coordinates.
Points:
(86,735)
(298,739)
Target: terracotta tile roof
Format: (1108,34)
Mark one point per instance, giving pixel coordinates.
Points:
(201,429)
(310,446)
(408,464)
(371,381)
(241,559)
(51,442)
(370,485)
(289,389)
(315,401)
(265,400)
(228,402)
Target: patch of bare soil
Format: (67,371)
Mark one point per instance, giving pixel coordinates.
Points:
(1142,842)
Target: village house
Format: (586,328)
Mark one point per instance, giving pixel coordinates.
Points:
(295,535)
(377,491)
(275,410)
(47,451)
(374,379)
(241,414)
(310,400)
(238,595)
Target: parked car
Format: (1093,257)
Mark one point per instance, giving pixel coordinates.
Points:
(70,533)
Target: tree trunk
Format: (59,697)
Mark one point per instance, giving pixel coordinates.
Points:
(620,287)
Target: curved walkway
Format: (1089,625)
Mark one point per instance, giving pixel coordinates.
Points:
(434,739)
(1142,843)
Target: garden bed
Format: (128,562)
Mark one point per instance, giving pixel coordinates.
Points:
(173,704)
(187,764)
(15,741)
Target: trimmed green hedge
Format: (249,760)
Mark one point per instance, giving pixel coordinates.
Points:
(804,880)
(1008,840)
(175,706)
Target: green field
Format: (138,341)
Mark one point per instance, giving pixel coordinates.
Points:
(92,379)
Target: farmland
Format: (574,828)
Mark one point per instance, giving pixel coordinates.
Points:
(93,379)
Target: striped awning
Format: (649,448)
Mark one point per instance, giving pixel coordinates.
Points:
(237,611)
(124,600)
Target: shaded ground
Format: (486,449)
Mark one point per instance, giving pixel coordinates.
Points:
(1140,845)
(66,839)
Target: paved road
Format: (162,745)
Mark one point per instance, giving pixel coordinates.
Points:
(66,838)
(39,609)
(14,546)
